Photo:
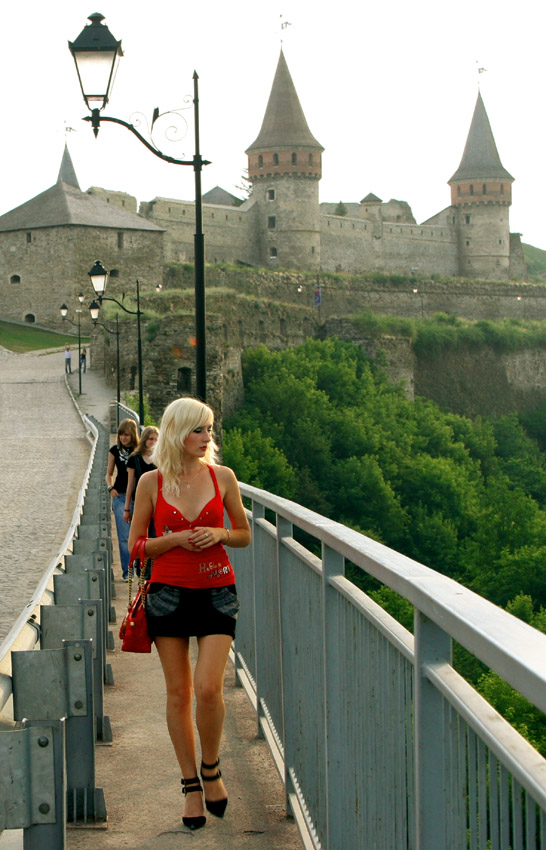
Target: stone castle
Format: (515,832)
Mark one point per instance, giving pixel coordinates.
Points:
(48,244)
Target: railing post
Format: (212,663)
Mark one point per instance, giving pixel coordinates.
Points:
(258,512)
(288,732)
(334,701)
(432,645)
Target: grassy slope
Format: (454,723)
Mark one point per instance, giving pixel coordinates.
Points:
(20,338)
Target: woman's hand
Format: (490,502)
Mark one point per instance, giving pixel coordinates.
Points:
(113,493)
(184,539)
(202,537)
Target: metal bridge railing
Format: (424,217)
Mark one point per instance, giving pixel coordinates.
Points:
(379,741)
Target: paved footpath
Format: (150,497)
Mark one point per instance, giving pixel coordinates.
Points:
(43,456)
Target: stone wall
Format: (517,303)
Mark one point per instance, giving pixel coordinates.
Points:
(44,268)
(247,307)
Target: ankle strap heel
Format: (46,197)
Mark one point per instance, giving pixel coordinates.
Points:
(188,787)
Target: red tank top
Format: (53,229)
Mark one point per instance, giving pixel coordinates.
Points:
(178,566)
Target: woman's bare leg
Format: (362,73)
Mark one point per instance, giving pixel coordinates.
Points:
(175,660)
(210,709)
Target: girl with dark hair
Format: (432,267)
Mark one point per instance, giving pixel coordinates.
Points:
(127,439)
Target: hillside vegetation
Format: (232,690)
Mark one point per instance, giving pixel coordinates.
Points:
(323,426)
(536,262)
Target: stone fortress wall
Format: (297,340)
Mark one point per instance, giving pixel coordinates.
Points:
(248,307)
(46,267)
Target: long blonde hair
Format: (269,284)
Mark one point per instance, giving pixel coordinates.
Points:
(180,418)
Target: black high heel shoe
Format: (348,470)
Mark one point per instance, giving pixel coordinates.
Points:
(215,807)
(188,786)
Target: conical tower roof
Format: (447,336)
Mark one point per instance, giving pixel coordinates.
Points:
(481,159)
(65,204)
(67,172)
(284,123)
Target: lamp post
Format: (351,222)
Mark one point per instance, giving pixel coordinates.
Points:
(99,276)
(64,313)
(96,54)
(94,309)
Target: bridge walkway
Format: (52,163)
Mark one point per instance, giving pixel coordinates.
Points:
(138,771)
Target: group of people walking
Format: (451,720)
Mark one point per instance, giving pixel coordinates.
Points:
(167,486)
(68,359)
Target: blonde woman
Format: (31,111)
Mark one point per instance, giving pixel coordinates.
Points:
(192,590)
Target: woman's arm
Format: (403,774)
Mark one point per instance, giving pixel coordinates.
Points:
(129,493)
(109,475)
(238,536)
(146,496)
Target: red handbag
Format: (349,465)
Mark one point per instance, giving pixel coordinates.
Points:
(134,628)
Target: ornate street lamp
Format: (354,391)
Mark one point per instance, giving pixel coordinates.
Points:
(96,53)
(64,314)
(94,310)
(99,277)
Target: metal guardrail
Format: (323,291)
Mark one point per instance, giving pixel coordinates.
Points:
(24,634)
(48,734)
(379,741)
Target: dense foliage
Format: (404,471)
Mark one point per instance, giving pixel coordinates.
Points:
(322,425)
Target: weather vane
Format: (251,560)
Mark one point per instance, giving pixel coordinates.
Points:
(481,70)
(284,26)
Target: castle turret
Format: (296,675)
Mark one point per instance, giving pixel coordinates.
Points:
(481,193)
(284,165)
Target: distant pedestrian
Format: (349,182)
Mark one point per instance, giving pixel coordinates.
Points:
(127,440)
(83,360)
(67,359)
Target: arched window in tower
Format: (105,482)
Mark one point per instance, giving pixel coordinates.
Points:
(30,318)
(260,161)
(275,159)
(310,159)
(294,159)
(15,278)
(271,222)
(459,191)
(120,240)
(467,219)
(471,189)
(502,188)
(183,380)
(272,253)
(484,189)
(270,195)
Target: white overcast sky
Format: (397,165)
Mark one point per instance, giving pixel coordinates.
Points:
(388,88)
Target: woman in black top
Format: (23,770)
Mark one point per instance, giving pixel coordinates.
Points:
(117,487)
(139,463)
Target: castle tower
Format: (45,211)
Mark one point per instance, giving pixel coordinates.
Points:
(284,165)
(481,193)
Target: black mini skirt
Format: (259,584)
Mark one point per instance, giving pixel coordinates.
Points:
(191,612)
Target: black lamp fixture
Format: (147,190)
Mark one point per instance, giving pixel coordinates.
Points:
(96,54)
(99,277)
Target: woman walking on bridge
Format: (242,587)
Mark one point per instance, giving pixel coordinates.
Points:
(127,439)
(192,590)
